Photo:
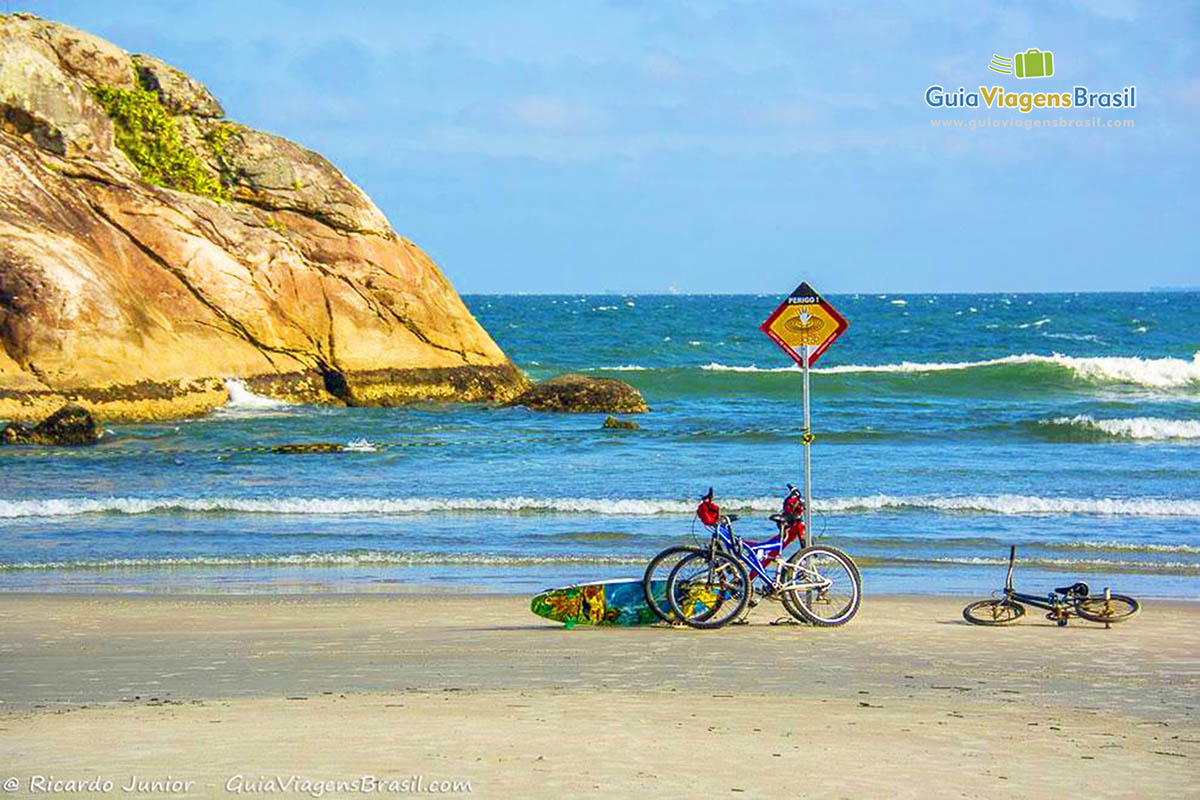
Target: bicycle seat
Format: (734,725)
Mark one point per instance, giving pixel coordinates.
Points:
(1079,589)
(786,519)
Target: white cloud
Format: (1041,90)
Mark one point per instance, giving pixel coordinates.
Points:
(1125,10)
(550,114)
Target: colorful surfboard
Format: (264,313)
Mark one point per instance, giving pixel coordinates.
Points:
(615,602)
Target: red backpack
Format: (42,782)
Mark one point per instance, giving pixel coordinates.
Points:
(708,511)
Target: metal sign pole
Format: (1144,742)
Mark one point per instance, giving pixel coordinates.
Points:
(804,325)
(806,437)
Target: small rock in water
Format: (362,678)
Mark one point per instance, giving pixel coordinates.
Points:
(70,426)
(612,422)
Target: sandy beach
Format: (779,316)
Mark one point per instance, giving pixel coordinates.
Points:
(220,695)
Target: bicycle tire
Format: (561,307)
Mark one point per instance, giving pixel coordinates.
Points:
(713,609)
(652,600)
(802,608)
(1119,608)
(993,612)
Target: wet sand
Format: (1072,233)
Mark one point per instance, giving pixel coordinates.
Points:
(905,701)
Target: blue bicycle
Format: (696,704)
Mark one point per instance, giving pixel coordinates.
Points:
(713,585)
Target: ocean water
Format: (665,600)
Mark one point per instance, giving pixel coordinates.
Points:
(948,427)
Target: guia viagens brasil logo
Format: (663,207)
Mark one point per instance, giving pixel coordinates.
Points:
(1032,63)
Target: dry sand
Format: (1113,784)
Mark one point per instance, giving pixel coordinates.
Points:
(906,701)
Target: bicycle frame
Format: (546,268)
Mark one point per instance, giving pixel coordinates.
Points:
(1052,601)
(753,555)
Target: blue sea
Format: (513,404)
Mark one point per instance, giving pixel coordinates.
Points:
(948,427)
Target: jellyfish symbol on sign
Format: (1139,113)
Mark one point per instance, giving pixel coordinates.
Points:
(807,325)
(804,320)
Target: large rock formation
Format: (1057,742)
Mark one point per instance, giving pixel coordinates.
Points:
(150,250)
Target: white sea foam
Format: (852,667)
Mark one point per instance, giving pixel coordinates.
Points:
(1014,504)
(1123,545)
(1136,427)
(899,302)
(472,559)
(1096,564)
(1074,337)
(1037,324)
(242,401)
(326,559)
(1007,504)
(1155,373)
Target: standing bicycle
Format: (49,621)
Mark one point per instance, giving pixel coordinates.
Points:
(790,528)
(713,585)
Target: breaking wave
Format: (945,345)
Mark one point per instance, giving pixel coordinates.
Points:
(1004,504)
(1062,564)
(345,559)
(245,403)
(1151,373)
(425,559)
(1130,428)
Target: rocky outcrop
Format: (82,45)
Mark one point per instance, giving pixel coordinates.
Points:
(70,426)
(574,392)
(177,92)
(615,423)
(151,250)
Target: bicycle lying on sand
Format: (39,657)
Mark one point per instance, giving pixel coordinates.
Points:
(1060,604)
(711,585)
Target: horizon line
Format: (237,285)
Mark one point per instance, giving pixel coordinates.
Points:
(606,293)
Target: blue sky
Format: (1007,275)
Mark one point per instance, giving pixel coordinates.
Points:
(719,146)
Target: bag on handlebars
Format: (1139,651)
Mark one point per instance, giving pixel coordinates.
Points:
(708,511)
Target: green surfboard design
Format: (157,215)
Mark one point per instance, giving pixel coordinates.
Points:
(616,602)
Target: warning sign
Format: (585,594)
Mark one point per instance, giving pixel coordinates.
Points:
(804,318)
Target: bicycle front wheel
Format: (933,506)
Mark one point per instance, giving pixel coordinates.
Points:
(822,585)
(1114,608)
(654,581)
(993,612)
(708,591)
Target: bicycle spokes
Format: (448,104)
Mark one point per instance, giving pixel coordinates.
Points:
(821,586)
(708,590)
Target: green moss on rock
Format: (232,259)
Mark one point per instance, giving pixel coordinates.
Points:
(218,138)
(147,133)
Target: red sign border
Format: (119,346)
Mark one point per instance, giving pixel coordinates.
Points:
(842,325)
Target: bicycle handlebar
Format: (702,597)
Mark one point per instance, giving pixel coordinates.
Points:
(1012,564)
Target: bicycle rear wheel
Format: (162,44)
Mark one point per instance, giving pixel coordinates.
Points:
(993,612)
(654,581)
(1114,608)
(708,591)
(827,586)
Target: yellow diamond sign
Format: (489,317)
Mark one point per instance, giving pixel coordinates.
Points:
(804,319)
